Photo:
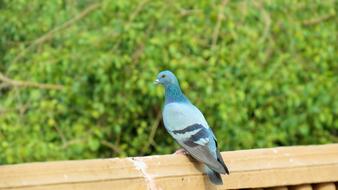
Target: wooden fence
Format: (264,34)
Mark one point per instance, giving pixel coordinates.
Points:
(298,167)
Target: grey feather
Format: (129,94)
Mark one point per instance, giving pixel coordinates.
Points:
(203,154)
(214,177)
(202,134)
(220,159)
(188,129)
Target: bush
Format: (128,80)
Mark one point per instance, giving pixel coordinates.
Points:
(264,73)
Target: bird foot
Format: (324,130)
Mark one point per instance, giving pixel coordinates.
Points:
(181,151)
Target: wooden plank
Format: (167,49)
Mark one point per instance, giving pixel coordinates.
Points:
(258,168)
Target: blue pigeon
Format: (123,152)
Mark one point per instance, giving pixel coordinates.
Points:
(187,125)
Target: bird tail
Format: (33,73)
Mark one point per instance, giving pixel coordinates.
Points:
(213,176)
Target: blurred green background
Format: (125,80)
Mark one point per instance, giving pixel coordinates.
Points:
(77,76)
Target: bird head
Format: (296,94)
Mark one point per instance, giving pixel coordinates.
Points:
(166,78)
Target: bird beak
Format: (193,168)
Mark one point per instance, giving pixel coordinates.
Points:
(157,81)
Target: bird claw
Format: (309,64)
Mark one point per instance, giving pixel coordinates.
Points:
(181,151)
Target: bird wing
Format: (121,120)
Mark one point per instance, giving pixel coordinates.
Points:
(189,128)
(220,158)
(197,144)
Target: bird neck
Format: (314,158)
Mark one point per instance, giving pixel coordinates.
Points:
(173,93)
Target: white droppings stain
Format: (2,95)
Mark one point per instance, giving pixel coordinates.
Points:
(275,151)
(142,167)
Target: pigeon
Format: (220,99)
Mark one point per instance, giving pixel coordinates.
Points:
(187,125)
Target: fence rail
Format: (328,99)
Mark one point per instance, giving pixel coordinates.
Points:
(298,167)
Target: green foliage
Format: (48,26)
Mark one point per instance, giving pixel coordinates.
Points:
(263,72)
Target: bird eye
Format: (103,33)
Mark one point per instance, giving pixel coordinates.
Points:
(163,76)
